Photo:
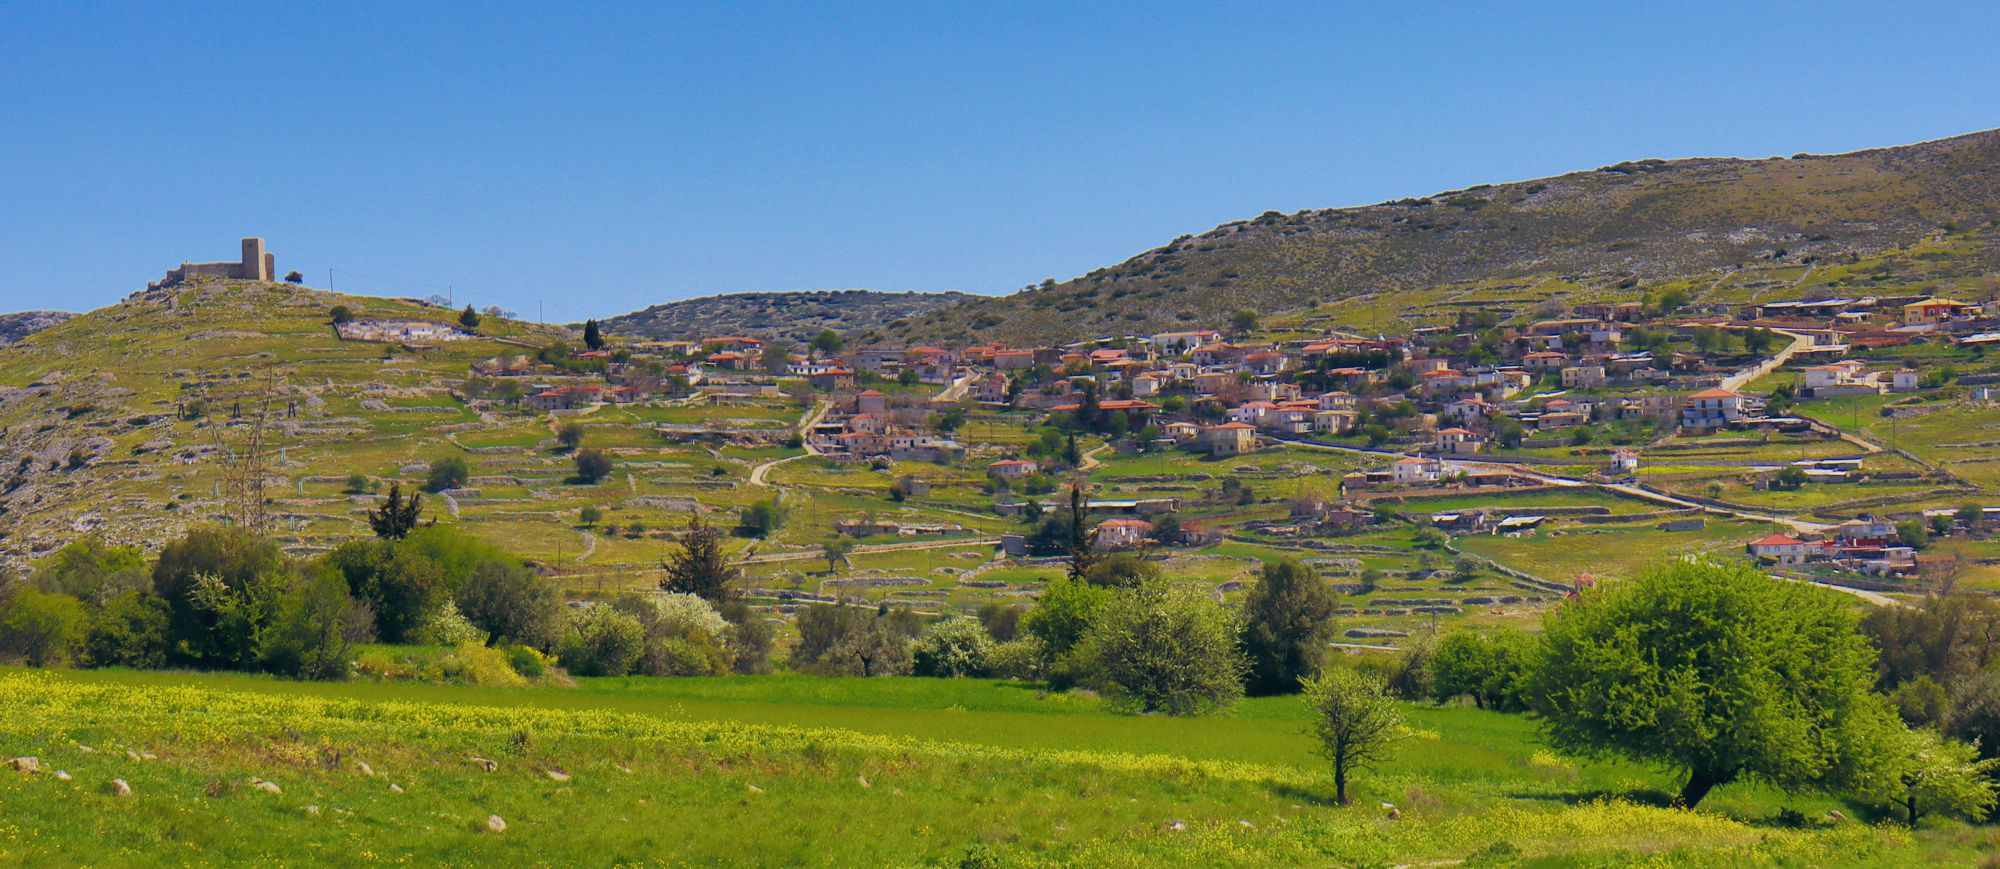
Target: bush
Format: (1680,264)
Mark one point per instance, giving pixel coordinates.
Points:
(750,638)
(527,661)
(403,586)
(236,564)
(448,627)
(513,604)
(42,629)
(1122,570)
(602,641)
(476,664)
(1165,649)
(1002,620)
(90,570)
(762,518)
(952,648)
(450,472)
(316,625)
(1062,617)
(850,641)
(684,635)
(1489,669)
(592,466)
(1019,658)
(128,631)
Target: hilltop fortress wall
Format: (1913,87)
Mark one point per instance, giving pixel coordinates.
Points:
(257,264)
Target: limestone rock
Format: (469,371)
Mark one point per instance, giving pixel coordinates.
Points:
(119,788)
(558,775)
(26,764)
(485,764)
(494,824)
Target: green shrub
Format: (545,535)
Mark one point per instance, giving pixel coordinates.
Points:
(952,648)
(601,641)
(43,629)
(527,661)
(1159,648)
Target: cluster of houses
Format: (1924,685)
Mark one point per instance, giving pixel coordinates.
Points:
(1866,545)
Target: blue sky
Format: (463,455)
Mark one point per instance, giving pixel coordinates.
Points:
(596,158)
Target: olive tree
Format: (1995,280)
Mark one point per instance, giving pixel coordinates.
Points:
(1718,671)
(1356,722)
(1160,648)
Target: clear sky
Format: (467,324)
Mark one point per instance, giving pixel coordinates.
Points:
(601,157)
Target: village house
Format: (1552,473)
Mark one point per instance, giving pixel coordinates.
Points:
(831,380)
(1458,441)
(1783,549)
(1122,533)
(1229,439)
(1838,379)
(1013,469)
(1711,409)
(870,401)
(1935,310)
(1583,377)
(1413,470)
(1168,343)
(1544,361)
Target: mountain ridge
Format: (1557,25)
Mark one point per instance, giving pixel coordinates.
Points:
(1625,227)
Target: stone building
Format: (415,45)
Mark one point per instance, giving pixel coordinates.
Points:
(257,264)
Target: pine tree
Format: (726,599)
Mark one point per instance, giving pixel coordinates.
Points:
(469,318)
(700,567)
(396,518)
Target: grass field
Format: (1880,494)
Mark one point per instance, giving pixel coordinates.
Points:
(806,771)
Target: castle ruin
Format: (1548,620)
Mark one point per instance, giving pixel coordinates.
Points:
(257,265)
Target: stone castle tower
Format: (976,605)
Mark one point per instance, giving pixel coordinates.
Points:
(257,265)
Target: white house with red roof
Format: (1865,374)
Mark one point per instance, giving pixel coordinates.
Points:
(1711,409)
(1783,549)
(1410,470)
(1013,469)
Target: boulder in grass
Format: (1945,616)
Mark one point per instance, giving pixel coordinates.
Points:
(119,788)
(268,787)
(485,764)
(395,789)
(62,775)
(494,824)
(362,767)
(26,764)
(558,775)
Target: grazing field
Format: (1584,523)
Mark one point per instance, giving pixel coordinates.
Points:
(787,770)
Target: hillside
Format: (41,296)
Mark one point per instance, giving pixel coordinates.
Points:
(120,421)
(15,326)
(1779,225)
(797,316)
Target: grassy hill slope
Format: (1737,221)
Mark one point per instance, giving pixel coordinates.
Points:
(796,316)
(803,771)
(120,420)
(1615,231)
